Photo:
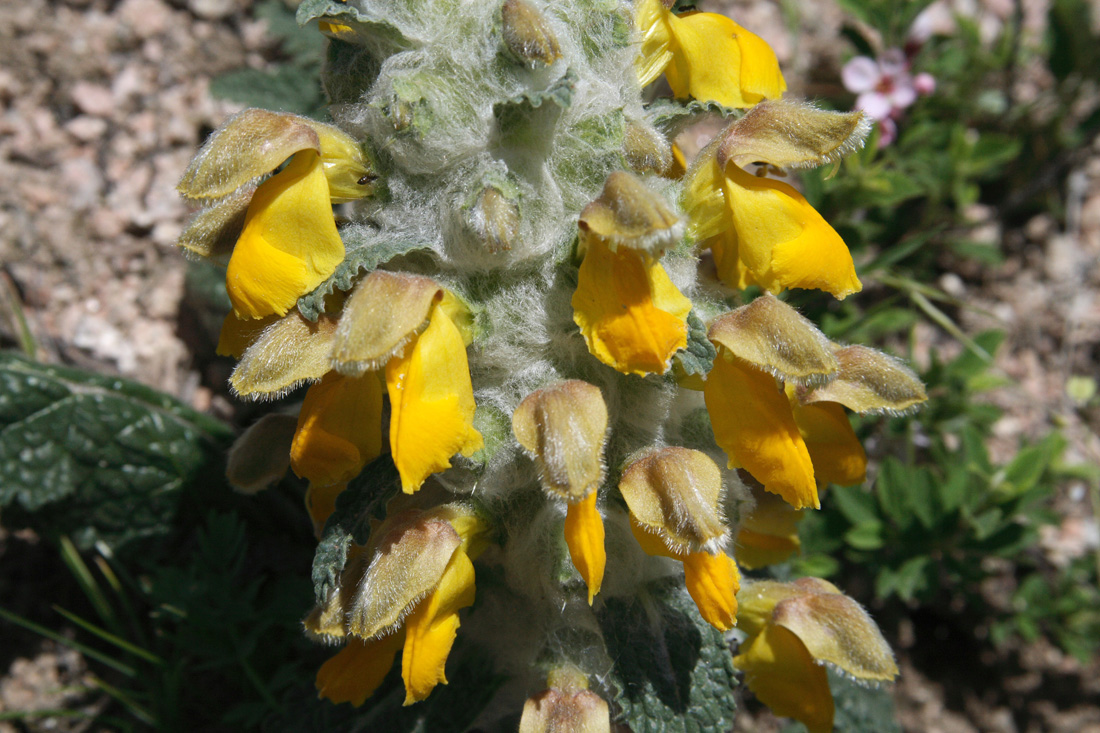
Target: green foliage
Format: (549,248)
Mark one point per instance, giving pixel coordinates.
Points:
(290,85)
(1062,605)
(363,500)
(98,457)
(673,671)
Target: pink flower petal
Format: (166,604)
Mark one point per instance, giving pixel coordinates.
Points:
(876,105)
(861,74)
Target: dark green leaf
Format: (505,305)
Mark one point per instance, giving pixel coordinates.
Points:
(674,672)
(866,536)
(94,456)
(892,488)
(366,249)
(285,88)
(363,500)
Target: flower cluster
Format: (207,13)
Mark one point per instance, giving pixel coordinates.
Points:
(512,334)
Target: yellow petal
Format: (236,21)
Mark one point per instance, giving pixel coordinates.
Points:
(432,403)
(358,669)
(753,424)
(769,534)
(321,503)
(714,59)
(731,270)
(783,675)
(289,245)
(238,334)
(584,536)
(339,428)
(782,240)
(835,450)
(654,54)
(703,198)
(632,316)
(713,582)
(760,75)
(431,628)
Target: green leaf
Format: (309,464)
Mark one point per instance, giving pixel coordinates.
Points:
(892,490)
(97,457)
(865,536)
(366,249)
(674,671)
(1030,463)
(857,505)
(670,115)
(286,88)
(698,356)
(364,499)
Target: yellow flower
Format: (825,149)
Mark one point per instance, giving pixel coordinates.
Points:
(706,56)
(419,577)
(632,316)
(432,403)
(793,630)
(563,427)
(759,422)
(764,232)
(289,244)
(339,429)
(427,374)
(753,423)
(674,496)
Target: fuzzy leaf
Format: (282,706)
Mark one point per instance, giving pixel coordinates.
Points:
(365,250)
(101,457)
(674,672)
(671,116)
(364,499)
(698,356)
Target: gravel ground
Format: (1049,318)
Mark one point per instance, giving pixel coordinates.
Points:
(102,104)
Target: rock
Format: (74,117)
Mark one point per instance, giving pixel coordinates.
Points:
(93,99)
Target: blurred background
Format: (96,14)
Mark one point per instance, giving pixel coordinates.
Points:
(974,218)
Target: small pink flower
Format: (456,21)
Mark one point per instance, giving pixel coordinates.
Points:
(885,87)
(924,83)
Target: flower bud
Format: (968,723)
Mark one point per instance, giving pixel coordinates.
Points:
(790,134)
(645,149)
(567,707)
(563,427)
(675,493)
(773,337)
(384,312)
(527,35)
(495,219)
(869,381)
(289,352)
(629,214)
(261,456)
